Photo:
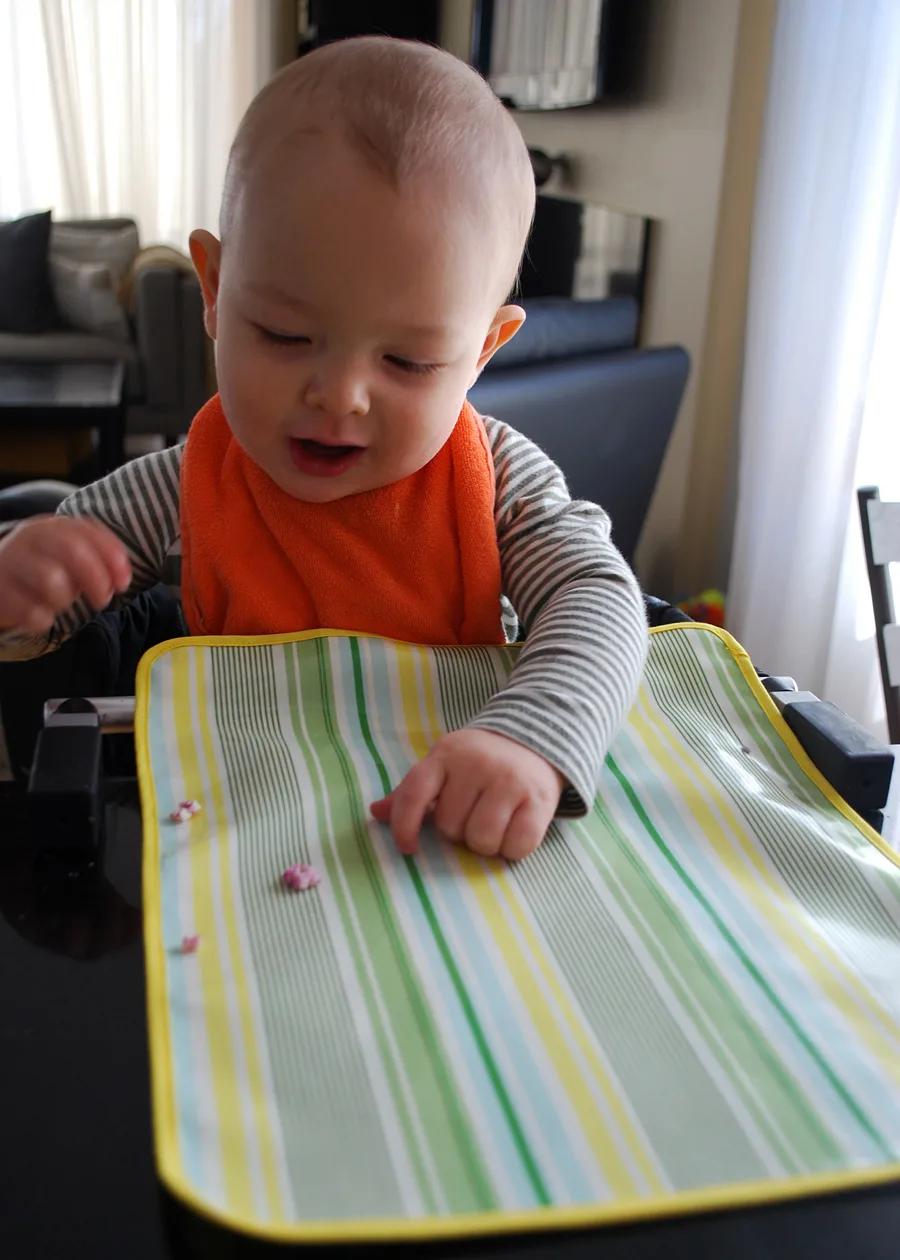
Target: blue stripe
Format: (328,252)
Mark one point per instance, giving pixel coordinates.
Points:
(375,680)
(485,991)
(785,976)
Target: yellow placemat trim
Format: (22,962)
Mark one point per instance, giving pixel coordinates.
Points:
(433,1229)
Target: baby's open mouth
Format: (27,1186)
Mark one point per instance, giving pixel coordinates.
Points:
(323,450)
(323,459)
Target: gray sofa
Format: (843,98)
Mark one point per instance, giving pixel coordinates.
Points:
(165,355)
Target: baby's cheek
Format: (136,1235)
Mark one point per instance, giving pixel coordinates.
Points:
(255,383)
(430,424)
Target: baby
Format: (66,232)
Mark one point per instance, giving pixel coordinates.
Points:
(375,211)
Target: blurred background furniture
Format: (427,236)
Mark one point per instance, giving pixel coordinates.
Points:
(881,537)
(67,395)
(152,321)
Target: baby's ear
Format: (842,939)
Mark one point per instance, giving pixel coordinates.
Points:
(505,324)
(206,253)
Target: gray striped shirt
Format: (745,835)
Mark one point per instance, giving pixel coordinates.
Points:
(572,591)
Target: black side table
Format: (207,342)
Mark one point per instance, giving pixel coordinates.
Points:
(62,395)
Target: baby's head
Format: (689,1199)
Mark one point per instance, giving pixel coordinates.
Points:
(376,206)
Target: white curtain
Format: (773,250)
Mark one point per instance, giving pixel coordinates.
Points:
(127,107)
(820,409)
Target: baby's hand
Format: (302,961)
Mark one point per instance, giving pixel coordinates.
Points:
(489,793)
(48,562)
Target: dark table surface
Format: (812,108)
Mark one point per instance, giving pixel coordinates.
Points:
(76,1169)
(61,385)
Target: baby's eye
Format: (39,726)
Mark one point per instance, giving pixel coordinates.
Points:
(280,339)
(407,365)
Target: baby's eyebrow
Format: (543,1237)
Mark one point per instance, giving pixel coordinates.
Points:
(435,331)
(271,293)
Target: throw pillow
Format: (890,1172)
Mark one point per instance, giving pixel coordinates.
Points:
(26,299)
(114,247)
(86,295)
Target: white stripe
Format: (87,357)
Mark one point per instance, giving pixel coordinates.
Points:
(382,847)
(255,1007)
(862,960)
(337,931)
(688,1021)
(198,659)
(521,1098)
(588,1072)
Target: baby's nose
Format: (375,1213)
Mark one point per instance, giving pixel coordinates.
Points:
(338,389)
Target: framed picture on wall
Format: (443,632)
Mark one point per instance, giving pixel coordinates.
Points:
(557,54)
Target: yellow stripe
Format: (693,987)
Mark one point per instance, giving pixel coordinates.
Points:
(770,900)
(784,732)
(584,1039)
(260,1103)
(427,665)
(236,1170)
(215,953)
(543,1019)
(543,1016)
(415,717)
(165,1120)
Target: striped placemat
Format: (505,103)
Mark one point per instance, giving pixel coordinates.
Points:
(690,998)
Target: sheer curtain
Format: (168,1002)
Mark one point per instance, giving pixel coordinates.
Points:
(819,411)
(127,106)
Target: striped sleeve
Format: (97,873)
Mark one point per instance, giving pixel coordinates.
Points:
(583,613)
(139,502)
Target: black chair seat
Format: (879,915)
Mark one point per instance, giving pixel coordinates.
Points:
(32,498)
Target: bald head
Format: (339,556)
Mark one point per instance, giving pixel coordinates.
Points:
(416,115)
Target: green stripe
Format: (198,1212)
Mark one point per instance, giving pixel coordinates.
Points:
(293,958)
(820,876)
(699,987)
(525,1154)
(298,665)
(734,683)
(752,970)
(633,1023)
(467,1188)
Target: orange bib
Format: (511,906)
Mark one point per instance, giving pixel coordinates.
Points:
(416,561)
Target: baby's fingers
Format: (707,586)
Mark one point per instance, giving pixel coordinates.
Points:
(526,829)
(410,802)
(83,559)
(21,606)
(489,821)
(112,551)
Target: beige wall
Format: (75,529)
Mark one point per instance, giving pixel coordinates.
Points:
(708,520)
(664,158)
(686,156)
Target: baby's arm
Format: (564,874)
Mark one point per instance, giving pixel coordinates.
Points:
(581,605)
(537,747)
(105,545)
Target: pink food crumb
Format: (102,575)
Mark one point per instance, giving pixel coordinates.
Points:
(300,876)
(185,811)
(190,944)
